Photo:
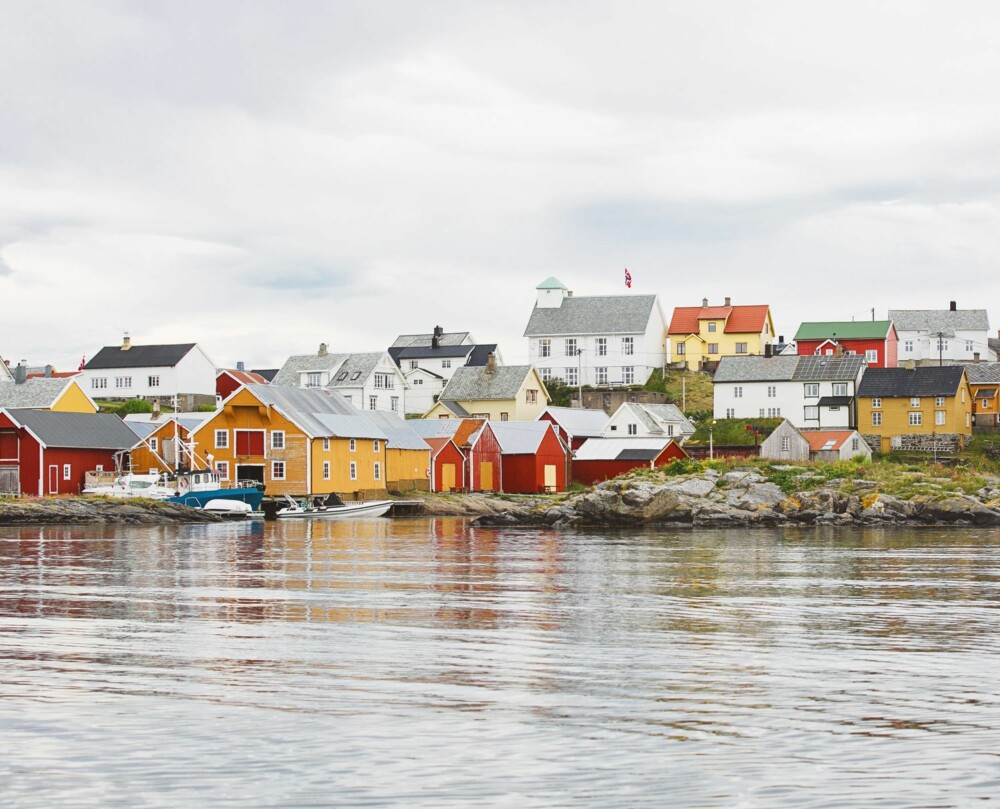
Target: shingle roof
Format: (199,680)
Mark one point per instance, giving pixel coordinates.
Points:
(668,413)
(76,430)
(940,321)
(983,373)
(825,368)
(447,339)
(845,330)
(358,368)
(290,372)
(475,384)
(739,319)
(578,421)
(41,392)
(429,352)
(755,369)
(610,314)
(890,383)
(520,437)
(609,449)
(155,356)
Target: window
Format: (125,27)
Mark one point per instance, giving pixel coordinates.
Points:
(916,419)
(968,419)
(383,381)
(375,445)
(812,413)
(984,404)
(417,381)
(326,445)
(628,375)
(67,472)
(571,377)
(876,419)
(908,346)
(353,445)
(730,413)
(394,404)
(531,397)
(741,348)
(628,346)
(738,392)
(377,470)
(314,379)
(545,374)
(99,382)
(871,355)
(773,412)
(222,439)
(633,429)
(601,346)
(373,402)
(602,375)
(571,347)
(444,364)
(153,381)
(154,444)
(670,429)
(504,416)
(876,402)
(713,348)
(939,417)
(711,326)
(839,388)
(963,395)
(354,470)
(681,349)
(762,411)
(914,401)
(277,439)
(855,445)
(277,470)
(222,467)
(785,443)
(968,345)
(355,375)
(326,470)
(772,391)
(939,401)
(545,347)
(123,382)
(811,390)
(413,365)
(343,376)
(942,344)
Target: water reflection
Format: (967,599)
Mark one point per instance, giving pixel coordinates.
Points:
(809,667)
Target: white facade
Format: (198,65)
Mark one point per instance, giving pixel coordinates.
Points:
(642,421)
(194,373)
(799,402)
(423,388)
(962,345)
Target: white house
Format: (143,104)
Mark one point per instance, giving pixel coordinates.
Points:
(428,362)
(811,392)
(787,443)
(149,371)
(370,381)
(632,419)
(598,340)
(929,336)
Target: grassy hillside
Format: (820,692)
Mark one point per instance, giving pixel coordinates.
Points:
(696,386)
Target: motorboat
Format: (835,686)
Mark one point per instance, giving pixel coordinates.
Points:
(332,508)
(130,484)
(196,487)
(233,509)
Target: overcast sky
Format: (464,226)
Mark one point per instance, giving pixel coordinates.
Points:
(263,177)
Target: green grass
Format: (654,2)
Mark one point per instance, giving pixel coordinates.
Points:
(689,390)
(733,432)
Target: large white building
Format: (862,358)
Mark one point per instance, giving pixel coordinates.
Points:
(599,340)
(930,336)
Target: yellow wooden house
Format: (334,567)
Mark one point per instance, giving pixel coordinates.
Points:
(499,393)
(704,334)
(984,380)
(923,408)
(60,394)
(300,441)
(160,443)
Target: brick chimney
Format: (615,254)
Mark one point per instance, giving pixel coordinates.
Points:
(704,303)
(729,301)
(491,364)
(21,372)
(322,350)
(953,306)
(126,342)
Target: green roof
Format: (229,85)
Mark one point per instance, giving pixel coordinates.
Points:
(847,330)
(552,283)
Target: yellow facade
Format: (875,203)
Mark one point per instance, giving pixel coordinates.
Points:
(712,343)
(408,469)
(156,452)
(74,400)
(889,417)
(527,405)
(985,405)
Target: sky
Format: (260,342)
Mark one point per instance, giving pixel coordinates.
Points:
(261,177)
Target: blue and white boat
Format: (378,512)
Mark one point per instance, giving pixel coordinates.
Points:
(197,487)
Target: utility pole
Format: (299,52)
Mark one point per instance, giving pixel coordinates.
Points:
(579,374)
(940,336)
(684,406)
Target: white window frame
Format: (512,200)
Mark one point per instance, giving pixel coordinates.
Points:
(67,471)
(354,470)
(876,418)
(222,467)
(326,470)
(811,390)
(571,349)
(373,402)
(628,346)
(375,445)
(277,439)
(601,346)
(939,418)
(154,444)
(839,388)
(353,444)
(811,413)
(545,347)
(601,375)
(224,436)
(628,375)
(914,401)
(377,471)
(326,445)
(876,402)
(277,470)
(871,355)
(915,418)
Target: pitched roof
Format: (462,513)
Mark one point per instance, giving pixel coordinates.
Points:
(552,283)
(319,412)
(435,428)
(983,373)
(844,330)
(826,439)
(346,370)
(399,433)
(268,373)
(155,356)
(739,319)
(76,430)
(452,338)
(888,383)
(290,372)
(244,377)
(608,314)
(474,383)
(5,373)
(613,449)
(520,437)
(755,369)
(814,368)
(580,422)
(454,408)
(421,352)
(669,413)
(940,321)
(356,369)
(437,444)
(40,392)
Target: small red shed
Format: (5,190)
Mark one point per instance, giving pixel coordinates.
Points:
(576,424)
(605,458)
(533,457)
(447,465)
(229,379)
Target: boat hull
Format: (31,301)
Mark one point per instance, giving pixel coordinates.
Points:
(350,511)
(198,499)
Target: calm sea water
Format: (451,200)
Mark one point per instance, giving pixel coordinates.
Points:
(427,662)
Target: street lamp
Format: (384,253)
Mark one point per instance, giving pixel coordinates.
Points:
(711,446)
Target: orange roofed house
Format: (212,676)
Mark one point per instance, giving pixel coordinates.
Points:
(699,335)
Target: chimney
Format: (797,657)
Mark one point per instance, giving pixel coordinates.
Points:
(704,303)
(729,301)
(768,350)
(975,356)
(438,331)
(126,342)
(48,371)
(322,350)
(781,339)
(156,409)
(240,366)
(21,372)
(953,306)
(491,364)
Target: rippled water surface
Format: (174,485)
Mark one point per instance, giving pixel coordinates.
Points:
(432,663)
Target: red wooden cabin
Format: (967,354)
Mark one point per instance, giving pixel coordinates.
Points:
(534,458)
(605,458)
(447,465)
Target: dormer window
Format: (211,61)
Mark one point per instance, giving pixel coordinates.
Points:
(314,379)
(711,326)
(342,377)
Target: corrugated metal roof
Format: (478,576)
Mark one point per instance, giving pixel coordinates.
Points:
(940,321)
(307,407)
(637,455)
(888,383)
(610,314)
(435,428)
(823,368)
(826,439)
(336,425)
(608,449)
(474,384)
(76,430)
(398,431)
(454,408)
(155,356)
(844,330)
(41,392)
(755,369)
(519,437)
(577,421)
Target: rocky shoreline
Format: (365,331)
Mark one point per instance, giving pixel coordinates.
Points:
(78,510)
(745,498)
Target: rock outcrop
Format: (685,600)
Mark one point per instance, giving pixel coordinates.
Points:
(99,510)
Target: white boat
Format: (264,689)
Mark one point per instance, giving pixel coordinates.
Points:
(233,509)
(130,484)
(332,508)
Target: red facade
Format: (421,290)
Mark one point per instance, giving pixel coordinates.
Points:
(229,380)
(590,472)
(574,444)
(483,461)
(887,350)
(525,474)
(444,452)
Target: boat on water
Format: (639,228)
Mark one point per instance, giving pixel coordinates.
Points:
(196,487)
(233,510)
(129,484)
(332,508)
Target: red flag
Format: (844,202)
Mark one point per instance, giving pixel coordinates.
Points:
(83,362)
(628,278)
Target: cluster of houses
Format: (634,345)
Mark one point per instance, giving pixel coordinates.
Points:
(440,411)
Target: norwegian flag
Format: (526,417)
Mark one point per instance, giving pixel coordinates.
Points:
(628,278)
(83,362)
